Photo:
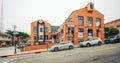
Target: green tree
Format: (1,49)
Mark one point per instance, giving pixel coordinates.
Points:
(9,32)
(23,34)
(111,31)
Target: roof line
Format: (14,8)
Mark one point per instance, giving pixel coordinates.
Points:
(113,21)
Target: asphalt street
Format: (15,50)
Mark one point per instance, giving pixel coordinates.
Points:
(109,53)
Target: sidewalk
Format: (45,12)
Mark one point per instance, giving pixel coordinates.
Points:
(5,52)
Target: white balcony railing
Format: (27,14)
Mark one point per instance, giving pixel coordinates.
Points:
(5,39)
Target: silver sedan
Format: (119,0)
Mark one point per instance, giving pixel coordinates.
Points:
(62,45)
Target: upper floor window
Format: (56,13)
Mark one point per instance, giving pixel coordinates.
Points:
(90,21)
(41,29)
(46,29)
(80,20)
(35,29)
(91,6)
(98,21)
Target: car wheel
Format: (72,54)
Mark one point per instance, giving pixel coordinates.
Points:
(99,43)
(71,47)
(56,49)
(88,45)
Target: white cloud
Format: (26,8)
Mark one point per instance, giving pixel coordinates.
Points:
(23,12)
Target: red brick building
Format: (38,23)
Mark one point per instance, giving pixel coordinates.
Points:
(42,31)
(82,24)
(114,24)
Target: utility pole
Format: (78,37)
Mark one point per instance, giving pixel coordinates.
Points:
(1,22)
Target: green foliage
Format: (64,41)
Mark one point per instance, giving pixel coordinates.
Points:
(10,32)
(111,31)
(22,34)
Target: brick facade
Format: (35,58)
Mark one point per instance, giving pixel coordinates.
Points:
(34,31)
(72,21)
(80,25)
(48,32)
(114,24)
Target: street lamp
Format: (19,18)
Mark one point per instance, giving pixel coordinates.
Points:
(15,38)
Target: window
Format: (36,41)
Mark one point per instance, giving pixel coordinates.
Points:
(80,32)
(98,21)
(46,29)
(91,6)
(71,31)
(35,37)
(80,20)
(89,21)
(41,36)
(35,29)
(62,33)
(46,37)
(90,33)
(41,29)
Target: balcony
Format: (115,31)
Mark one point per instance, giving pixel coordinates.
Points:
(5,39)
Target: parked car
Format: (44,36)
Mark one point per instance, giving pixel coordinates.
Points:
(62,46)
(112,39)
(91,41)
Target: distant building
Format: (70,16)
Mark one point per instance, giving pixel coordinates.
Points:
(114,24)
(5,39)
(42,31)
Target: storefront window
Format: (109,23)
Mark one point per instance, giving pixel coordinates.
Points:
(41,36)
(80,33)
(46,37)
(35,37)
(90,33)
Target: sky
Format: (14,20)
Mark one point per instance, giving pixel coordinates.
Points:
(22,12)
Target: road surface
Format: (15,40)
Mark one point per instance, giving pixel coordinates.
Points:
(109,53)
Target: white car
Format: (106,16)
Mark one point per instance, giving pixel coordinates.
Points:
(91,41)
(62,45)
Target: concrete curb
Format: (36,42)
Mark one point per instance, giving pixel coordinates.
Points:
(20,54)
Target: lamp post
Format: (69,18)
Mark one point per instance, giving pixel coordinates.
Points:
(15,38)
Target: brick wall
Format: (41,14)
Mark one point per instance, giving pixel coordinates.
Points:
(28,48)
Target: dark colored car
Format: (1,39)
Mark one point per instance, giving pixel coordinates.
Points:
(113,39)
